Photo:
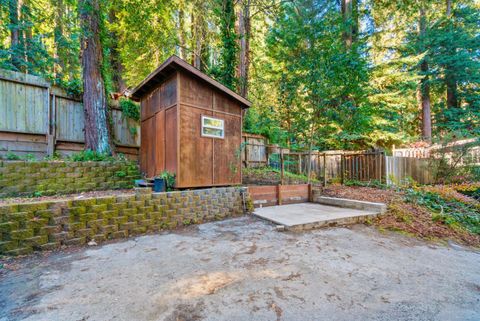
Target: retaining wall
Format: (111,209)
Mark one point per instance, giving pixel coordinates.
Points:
(51,224)
(23,178)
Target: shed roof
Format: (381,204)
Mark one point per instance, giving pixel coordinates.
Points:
(171,65)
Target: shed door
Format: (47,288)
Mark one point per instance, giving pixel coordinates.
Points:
(147,147)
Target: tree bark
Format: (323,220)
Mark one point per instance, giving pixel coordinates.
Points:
(181,34)
(423,91)
(450,79)
(97,131)
(58,36)
(119,84)
(449,8)
(350,18)
(14,16)
(26,35)
(244,54)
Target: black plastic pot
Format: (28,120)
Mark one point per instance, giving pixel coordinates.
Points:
(159,185)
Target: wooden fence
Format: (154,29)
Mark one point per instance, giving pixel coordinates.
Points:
(398,169)
(339,166)
(38,118)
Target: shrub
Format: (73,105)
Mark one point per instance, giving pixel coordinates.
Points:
(169,180)
(447,208)
(90,156)
(11,156)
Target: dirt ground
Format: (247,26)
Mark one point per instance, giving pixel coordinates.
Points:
(243,269)
(66,197)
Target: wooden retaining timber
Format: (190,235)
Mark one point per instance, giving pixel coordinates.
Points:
(270,195)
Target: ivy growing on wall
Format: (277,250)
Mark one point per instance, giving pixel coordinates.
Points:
(131,111)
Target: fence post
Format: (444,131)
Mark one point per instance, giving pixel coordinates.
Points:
(51,125)
(279,194)
(299,163)
(282,170)
(342,169)
(310,195)
(246,151)
(324,169)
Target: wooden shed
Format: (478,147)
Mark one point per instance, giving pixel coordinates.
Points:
(191,126)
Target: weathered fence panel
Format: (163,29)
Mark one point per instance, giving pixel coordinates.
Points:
(70,120)
(402,168)
(254,150)
(38,118)
(364,166)
(23,103)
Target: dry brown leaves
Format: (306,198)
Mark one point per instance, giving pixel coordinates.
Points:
(405,217)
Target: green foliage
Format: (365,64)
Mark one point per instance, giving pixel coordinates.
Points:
(449,211)
(308,88)
(11,156)
(56,156)
(90,156)
(169,180)
(73,87)
(225,71)
(130,109)
(29,157)
(268,172)
(120,174)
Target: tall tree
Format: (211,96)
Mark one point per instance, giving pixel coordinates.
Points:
(97,133)
(225,11)
(59,67)
(450,77)
(244,30)
(423,92)
(119,84)
(349,10)
(16,58)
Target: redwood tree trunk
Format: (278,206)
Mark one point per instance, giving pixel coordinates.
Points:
(97,133)
(59,67)
(244,29)
(14,26)
(350,19)
(423,93)
(181,34)
(115,60)
(450,80)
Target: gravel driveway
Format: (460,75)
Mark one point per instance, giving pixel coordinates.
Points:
(242,269)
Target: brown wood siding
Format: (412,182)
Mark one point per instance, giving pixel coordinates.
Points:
(206,161)
(171,139)
(171,133)
(225,104)
(157,153)
(195,151)
(148,146)
(195,93)
(169,92)
(226,152)
(160,142)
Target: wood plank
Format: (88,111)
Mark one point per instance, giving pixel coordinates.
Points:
(22,137)
(196,166)
(160,142)
(3,104)
(171,140)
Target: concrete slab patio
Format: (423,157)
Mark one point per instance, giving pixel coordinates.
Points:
(242,269)
(305,216)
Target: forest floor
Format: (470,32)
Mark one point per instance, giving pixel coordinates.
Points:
(243,269)
(409,217)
